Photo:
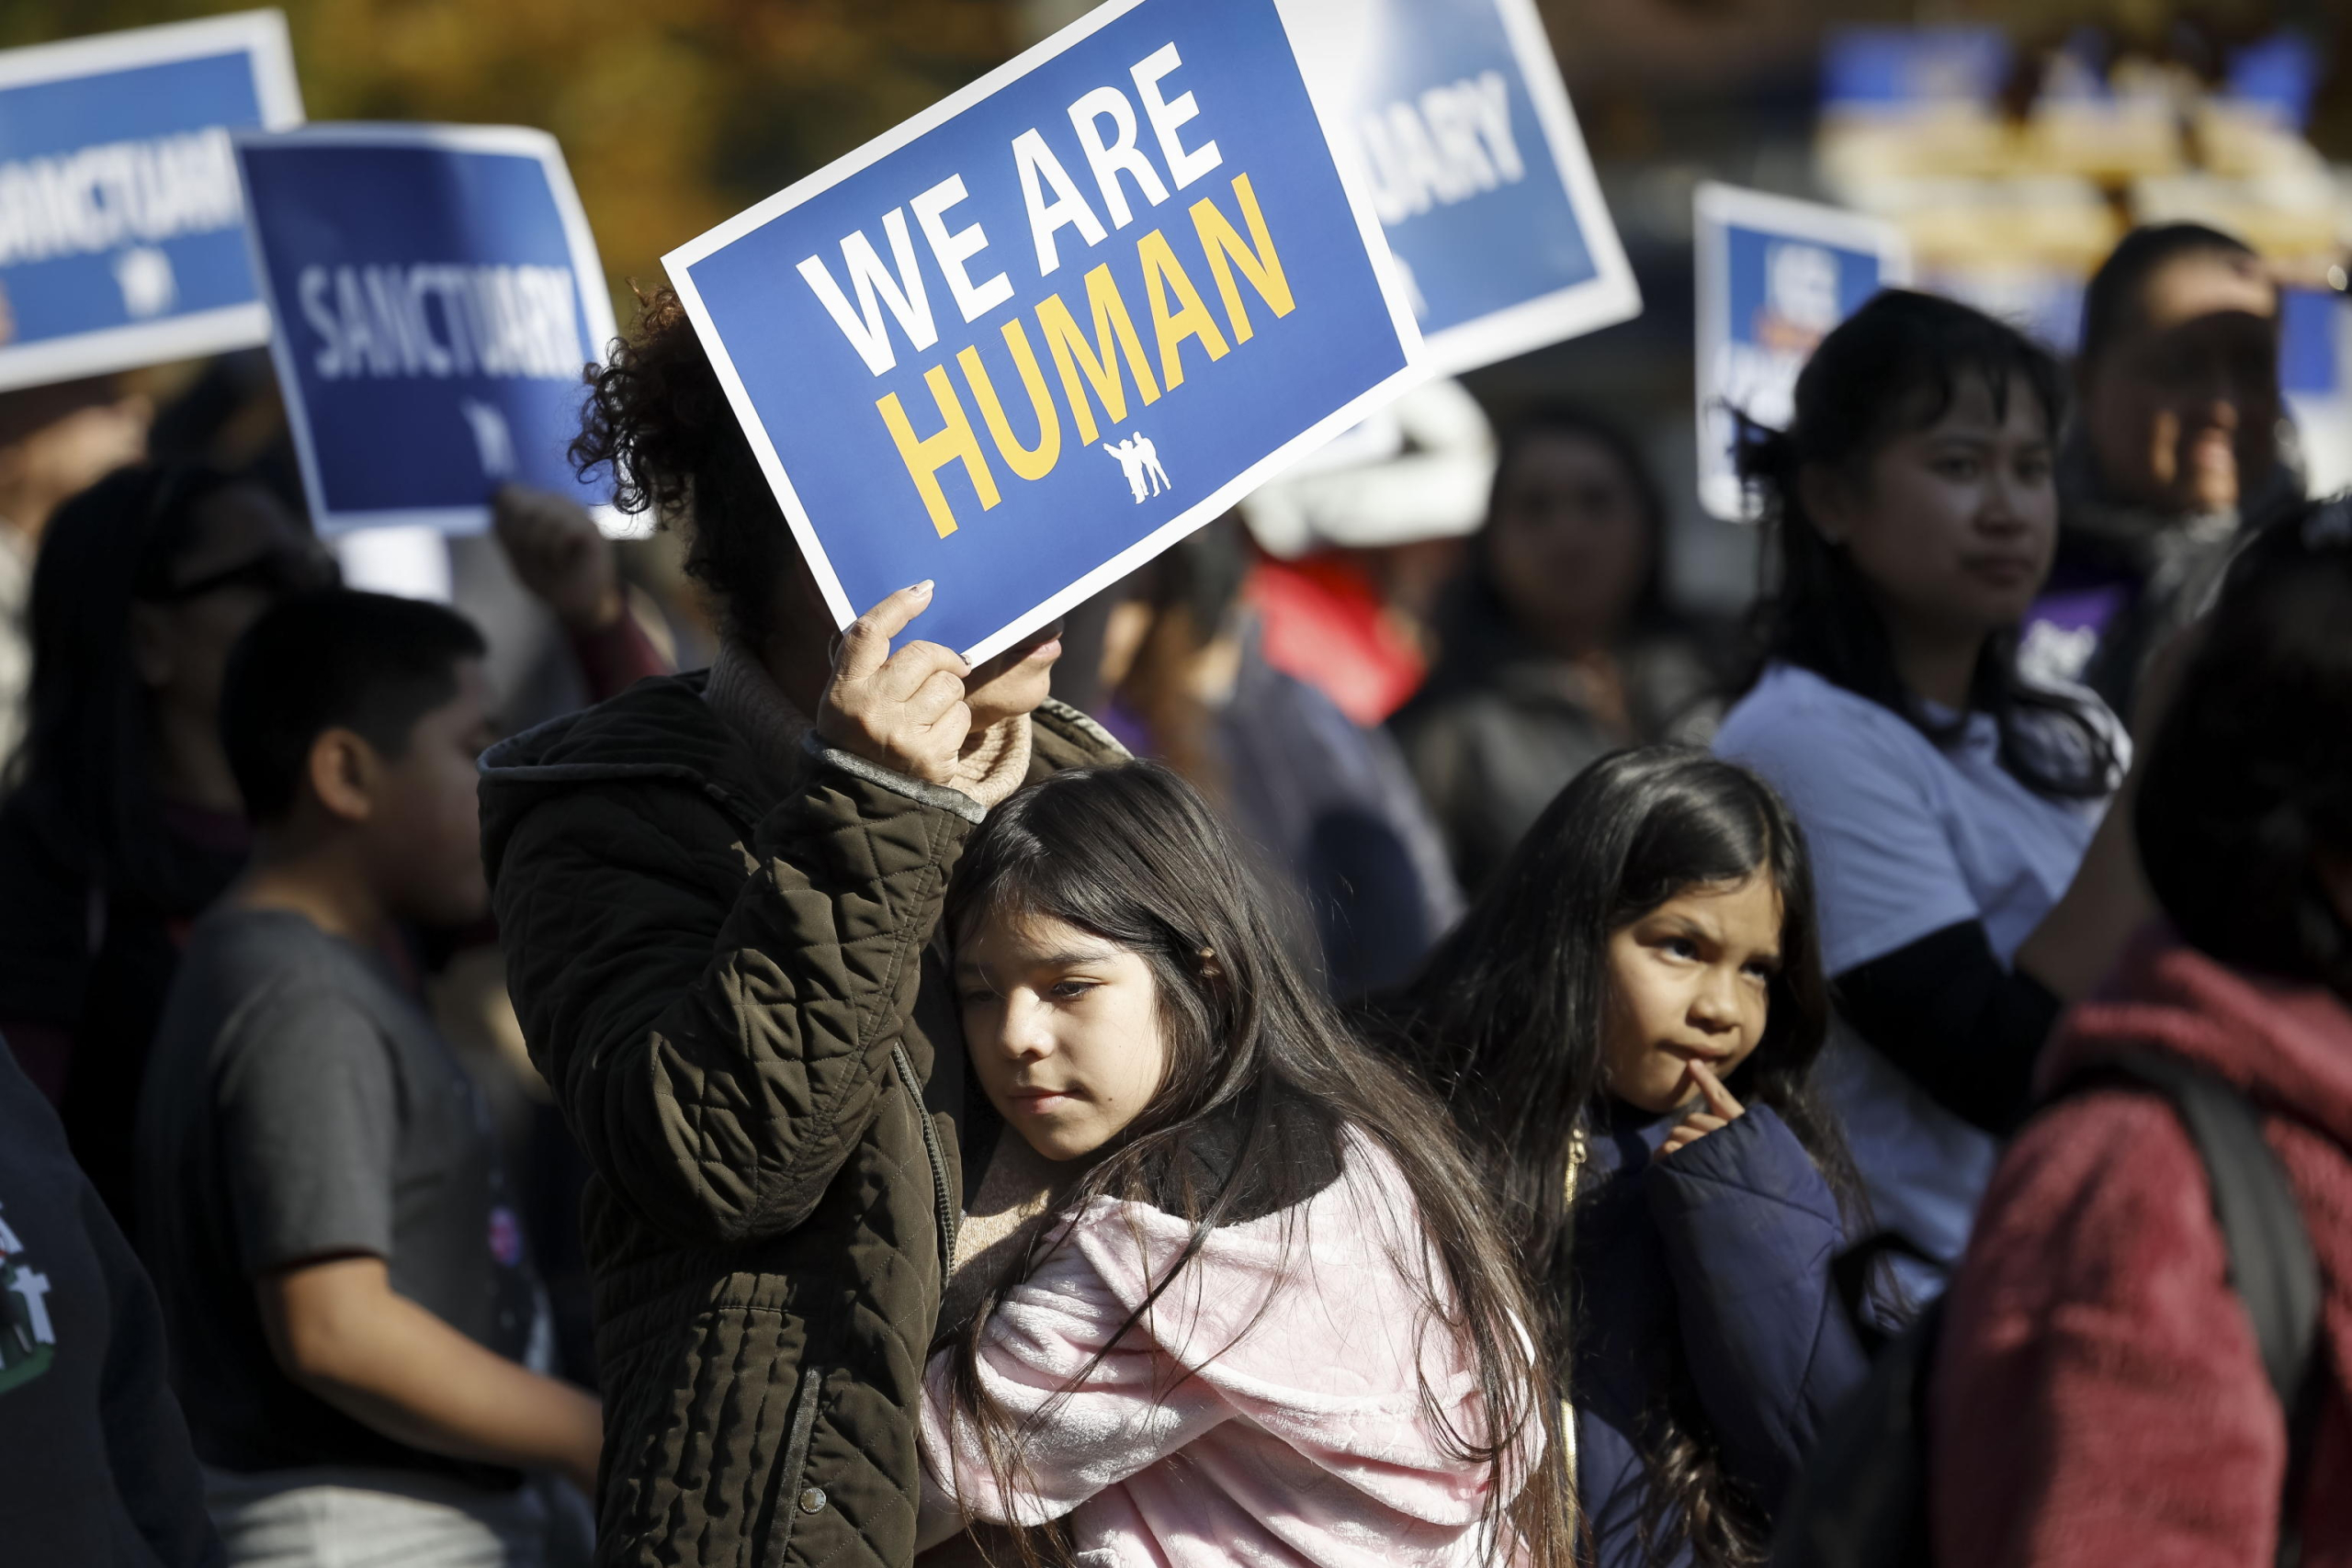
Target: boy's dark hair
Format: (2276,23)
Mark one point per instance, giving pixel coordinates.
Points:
(2111,299)
(1858,391)
(2249,780)
(1507,1019)
(367,662)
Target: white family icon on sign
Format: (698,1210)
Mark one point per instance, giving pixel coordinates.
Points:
(1140,466)
(494,441)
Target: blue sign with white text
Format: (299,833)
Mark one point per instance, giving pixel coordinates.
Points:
(1458,139)
(1039,333)
(1787,290)
(1475,167)
(121,228)
(437,300)
(1774,278)
(2310,343)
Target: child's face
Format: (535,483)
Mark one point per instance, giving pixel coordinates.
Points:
(1689,981)
(424,826)
(1063,1028)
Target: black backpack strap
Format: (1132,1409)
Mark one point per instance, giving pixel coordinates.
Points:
(2272,1267)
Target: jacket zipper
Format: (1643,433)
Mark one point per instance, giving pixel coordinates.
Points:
(945,1206)
(788,1507)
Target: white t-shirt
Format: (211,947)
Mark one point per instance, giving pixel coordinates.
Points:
(1908,838)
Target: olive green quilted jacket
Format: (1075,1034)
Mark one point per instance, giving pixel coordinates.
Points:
(736,1000)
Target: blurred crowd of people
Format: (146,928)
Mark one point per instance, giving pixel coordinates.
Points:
(838,1103)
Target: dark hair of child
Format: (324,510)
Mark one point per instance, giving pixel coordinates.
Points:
(2249,779)
(1895,365)
(1264,1086)
(1507,1018)
(367,662)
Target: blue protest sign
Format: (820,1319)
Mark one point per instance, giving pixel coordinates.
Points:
(121,231)
(2315,375)
(1774,276)
(1039,333)
(436,297)
(1473,162)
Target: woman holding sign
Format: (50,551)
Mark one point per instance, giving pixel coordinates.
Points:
(719,894)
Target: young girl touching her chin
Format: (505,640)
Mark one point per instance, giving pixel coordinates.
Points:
(1267,1315)
(1625,1027)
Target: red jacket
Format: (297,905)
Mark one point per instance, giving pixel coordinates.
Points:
(2099,1398)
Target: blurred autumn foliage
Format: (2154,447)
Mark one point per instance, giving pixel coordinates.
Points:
(673,113)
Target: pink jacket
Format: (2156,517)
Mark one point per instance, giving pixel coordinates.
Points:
(1298,1437)
(2100,1398)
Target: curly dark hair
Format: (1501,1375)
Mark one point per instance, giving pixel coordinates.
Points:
(2247,791)
(659,420)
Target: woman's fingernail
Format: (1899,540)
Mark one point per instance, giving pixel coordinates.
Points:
(922,587)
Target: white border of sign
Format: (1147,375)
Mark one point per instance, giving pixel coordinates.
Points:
(261,35)
(804,533)
(1610,295)
(588,275)
(1717,207)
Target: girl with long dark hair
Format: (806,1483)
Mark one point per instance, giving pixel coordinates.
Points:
(1953,805)
(1625,1027)
(1265,1313)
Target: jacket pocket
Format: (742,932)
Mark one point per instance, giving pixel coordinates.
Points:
(793,1494)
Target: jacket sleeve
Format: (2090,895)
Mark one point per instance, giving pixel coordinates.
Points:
(154,1461)
(1094,1406)
(616,657)
(1750,1228)
(1948,1012)
(719,1033)
(2099,1397)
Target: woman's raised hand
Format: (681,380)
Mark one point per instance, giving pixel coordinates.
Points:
(1721,1112)
(904,710)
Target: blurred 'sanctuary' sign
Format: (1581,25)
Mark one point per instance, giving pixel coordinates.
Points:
(121,231)
(437,297)
(1039,333)
(1474,163)
(1774,275)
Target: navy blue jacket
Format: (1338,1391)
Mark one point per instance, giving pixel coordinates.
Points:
(95,1465)
(1708,1270)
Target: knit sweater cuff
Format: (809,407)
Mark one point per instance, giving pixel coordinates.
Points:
(983,777)
(941,796)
